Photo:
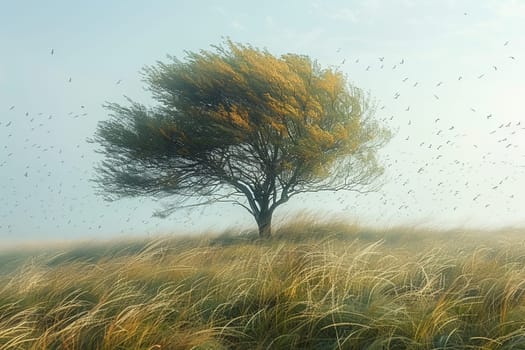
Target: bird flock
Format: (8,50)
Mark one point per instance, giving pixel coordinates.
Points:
(436,166)
(440,165)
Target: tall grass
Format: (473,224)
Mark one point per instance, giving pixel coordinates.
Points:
(313,286)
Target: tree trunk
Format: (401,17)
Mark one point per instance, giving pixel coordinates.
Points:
(264,221)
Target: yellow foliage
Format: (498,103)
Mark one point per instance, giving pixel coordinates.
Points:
(288,100)
(331,83)
(239,117)
(320,137)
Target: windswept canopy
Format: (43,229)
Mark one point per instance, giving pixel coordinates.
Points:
(240,124)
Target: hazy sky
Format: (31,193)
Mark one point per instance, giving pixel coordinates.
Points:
(447,77)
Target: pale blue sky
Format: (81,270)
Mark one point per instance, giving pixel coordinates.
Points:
(470,173)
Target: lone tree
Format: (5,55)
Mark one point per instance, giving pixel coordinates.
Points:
(239,124)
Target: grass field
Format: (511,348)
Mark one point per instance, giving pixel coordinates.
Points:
(313,286)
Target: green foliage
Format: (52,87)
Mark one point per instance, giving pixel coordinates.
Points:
(240,124)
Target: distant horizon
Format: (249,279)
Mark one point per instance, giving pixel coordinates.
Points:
(46,245)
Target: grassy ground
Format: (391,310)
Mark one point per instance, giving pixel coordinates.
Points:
(313,286)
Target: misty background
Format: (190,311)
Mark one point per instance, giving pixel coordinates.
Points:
(446,77)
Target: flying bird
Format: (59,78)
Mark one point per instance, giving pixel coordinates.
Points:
(52,51)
